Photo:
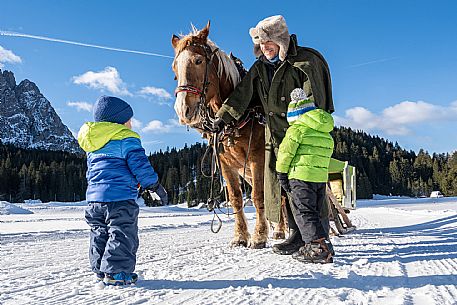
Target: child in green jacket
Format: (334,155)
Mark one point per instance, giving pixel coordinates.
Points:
(302,166)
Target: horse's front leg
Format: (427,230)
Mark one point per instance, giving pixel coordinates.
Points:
(260,236)
(241,236)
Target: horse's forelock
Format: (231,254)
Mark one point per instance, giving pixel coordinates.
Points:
(187,40)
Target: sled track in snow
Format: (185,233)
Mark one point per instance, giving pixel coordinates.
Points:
(183,263)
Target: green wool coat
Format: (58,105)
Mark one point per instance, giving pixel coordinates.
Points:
(303,68)
(305,151)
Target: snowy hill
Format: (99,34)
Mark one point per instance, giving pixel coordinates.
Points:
(403,252)
(28,120)
(8,208)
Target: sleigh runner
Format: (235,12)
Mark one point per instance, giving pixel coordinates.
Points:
(341,195)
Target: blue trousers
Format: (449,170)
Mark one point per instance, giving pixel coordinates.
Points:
(113,236)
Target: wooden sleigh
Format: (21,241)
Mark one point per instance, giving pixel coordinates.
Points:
(341,196)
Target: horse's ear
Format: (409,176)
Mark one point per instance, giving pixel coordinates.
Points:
(203,34)
(174,41)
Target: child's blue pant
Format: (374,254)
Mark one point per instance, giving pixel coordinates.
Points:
(113,236)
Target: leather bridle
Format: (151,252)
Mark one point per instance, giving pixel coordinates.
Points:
(203,108)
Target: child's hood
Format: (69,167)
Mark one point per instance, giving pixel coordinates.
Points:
(317,119)
(94,135)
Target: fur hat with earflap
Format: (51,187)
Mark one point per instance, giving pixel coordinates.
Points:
(273,29)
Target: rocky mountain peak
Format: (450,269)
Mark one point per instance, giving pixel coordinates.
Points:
(28,85)
(27,118)
(7,77)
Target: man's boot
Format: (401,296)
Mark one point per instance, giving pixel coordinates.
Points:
(316,251)
(290,245)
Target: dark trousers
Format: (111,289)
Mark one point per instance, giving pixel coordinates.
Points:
(113,236)
(290,216)
(309,209)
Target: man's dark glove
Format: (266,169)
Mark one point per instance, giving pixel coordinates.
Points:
(160,191)
(284,181)
(218,125)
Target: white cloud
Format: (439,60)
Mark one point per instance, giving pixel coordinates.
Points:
(415,112)
(157,126)
(397,119)
(108,79)
(158,92)
(84,106)
(360,116)
(454,106)
(136,124)
(7,56)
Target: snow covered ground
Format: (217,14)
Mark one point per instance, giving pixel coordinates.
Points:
(404,251)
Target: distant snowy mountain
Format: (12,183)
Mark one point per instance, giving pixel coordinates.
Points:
(28,120)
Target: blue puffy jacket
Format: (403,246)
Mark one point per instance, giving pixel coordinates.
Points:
(116,162)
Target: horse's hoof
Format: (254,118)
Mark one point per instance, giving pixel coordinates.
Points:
(239,243)
(279,235)
(258,245)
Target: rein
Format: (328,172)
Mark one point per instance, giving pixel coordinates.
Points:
(214,203)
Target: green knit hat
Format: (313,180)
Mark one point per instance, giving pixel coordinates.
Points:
(299,104)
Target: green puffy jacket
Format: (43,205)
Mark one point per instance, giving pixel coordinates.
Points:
(307,147)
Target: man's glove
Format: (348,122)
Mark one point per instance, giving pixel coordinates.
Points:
(160,191)
(284,181)
(218,125)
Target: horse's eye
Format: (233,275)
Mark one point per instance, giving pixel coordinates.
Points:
(198,61)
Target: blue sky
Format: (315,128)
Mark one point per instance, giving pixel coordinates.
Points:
(393,63)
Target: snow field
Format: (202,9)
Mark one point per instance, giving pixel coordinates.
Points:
(403,252)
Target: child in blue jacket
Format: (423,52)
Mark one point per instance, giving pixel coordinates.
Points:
(116,163)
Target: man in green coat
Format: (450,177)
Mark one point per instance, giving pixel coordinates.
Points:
(281,66)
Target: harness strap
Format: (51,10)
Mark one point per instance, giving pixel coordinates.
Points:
(188,89)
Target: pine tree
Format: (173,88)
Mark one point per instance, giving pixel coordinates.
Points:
(190,194)
(24,187)
(382,167)
(171,186)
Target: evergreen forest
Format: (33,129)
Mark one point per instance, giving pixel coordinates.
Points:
(383,168)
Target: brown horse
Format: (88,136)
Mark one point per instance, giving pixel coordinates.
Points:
(206,76)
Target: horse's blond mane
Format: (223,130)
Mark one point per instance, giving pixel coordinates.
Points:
(225,63)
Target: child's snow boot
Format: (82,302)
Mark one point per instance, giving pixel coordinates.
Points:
(120,279)
(99,276)
(316,251)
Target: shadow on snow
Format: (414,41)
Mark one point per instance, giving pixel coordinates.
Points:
(439,242)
